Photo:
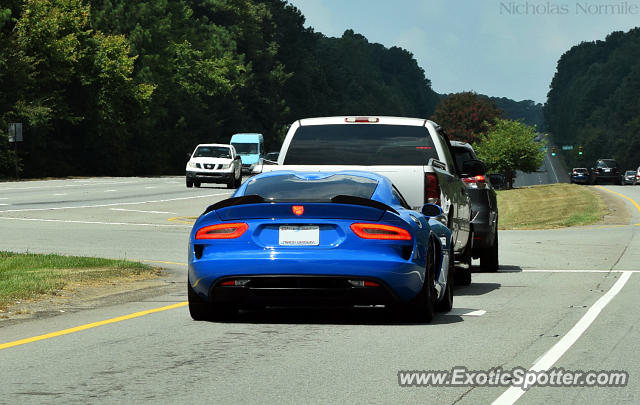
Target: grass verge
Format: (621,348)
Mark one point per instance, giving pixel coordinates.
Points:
(549,206)
(25,276)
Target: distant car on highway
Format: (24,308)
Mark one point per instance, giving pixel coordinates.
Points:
(638,175)
(324,238)
(484,210)
(579,175)
(630,177)
(214,163)
(606,170)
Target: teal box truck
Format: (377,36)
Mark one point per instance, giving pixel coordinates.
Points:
(250,147)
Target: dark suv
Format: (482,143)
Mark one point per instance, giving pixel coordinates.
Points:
(606,170)
(484,210)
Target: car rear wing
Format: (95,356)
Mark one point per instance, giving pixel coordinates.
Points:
(339,199)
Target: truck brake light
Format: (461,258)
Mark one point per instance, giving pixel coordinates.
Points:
(362,119)
(432,189)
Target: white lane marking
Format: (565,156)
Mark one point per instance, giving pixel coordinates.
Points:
(60,194)
(4,198)
(93,222)
(80,183)
(116,204)
(466,312)
(570,271)
(4,204)
(110,191)
(145,212)
(512,394)
(552,168)
(150,187)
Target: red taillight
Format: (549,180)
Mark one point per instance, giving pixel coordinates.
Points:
(222,231)
(298,209)
(432,189)
(361,119)
(228,283)
(476,181)
(371,284)
(379,231)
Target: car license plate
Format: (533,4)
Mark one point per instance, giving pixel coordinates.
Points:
(607,170)
(308,235)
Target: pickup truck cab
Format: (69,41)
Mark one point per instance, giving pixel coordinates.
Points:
(250,147)
(214,163)
(413,153)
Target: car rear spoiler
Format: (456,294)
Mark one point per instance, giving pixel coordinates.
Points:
(339,199)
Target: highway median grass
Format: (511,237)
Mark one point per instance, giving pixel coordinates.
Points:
(549,206)
(27,276)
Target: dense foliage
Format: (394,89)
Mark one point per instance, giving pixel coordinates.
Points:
(119,87)
(527,111)
(594,103)
(509,146)
(466,116)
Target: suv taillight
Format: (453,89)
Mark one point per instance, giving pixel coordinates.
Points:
(431,189)
(475,182)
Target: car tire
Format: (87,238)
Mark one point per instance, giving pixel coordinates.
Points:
(198,308)
(231,183)
(446,303)
(463,274)
(189,184)
(196,184)
(489,257)
(422,307)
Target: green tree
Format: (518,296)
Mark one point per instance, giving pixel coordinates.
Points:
(509,146)
(465,116)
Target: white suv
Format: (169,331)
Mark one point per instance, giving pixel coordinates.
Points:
(214,163)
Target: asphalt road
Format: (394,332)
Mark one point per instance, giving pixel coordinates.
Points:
(562,298)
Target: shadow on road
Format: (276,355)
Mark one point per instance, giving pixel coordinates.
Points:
(476,289)
(509,269)
(334,316)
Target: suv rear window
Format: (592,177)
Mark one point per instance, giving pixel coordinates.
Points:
(213,152)
(361,144)
(607,163)
(289,187)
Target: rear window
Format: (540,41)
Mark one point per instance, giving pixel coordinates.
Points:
(293,188)
(246,148)
(580,170)
(213,152)
(364,144)
(607,163)
(462,154)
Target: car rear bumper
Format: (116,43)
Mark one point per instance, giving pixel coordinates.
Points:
(210,177)
(301,291)
(400,280)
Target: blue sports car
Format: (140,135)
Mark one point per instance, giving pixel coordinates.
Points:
(345,238)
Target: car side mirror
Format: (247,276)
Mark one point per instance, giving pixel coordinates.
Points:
(472,168)
(431,210)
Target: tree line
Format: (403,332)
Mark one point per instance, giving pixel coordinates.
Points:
(593,101)
(118,87)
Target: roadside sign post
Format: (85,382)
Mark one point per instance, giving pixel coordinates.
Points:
(15,136)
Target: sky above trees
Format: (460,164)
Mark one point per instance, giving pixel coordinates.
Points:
(499,48)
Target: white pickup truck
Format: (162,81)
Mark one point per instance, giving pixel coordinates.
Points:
(413,153)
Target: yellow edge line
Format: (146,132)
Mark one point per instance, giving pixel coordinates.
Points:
(623,196)
(164,262)
(90,325)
